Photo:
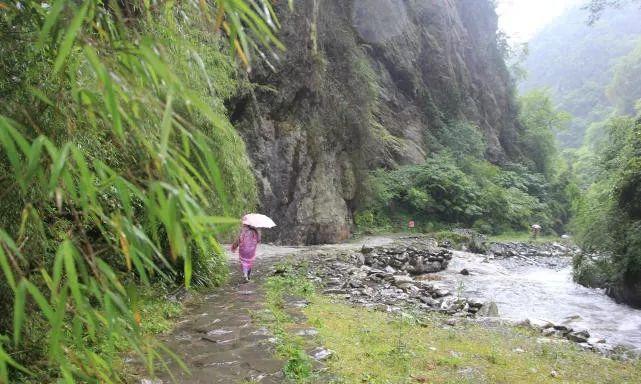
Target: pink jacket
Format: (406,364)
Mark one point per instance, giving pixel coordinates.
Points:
(247,242)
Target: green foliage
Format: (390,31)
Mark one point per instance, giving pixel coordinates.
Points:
(462,139)
(467,192)
(625,88)
(291,281)
(118,166)
(457,186)
(609,214)
(540,121)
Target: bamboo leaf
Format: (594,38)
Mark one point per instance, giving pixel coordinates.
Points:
(9,146)
(6,269)
(72,32)
(188,269)
(72,274)
(165,127)
(40,95)
(58,165)
(19,299)
(6,359)
(50,20)
(42,303)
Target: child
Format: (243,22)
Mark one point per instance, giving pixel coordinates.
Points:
(246,243)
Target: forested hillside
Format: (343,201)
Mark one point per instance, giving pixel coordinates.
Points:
(587,67)
(593,72)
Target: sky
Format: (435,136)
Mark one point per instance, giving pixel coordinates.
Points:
(521,19)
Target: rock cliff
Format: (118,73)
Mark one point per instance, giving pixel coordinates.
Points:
(364,85)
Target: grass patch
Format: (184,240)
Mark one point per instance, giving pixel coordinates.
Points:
(157,313)
(290,347)
(366,345)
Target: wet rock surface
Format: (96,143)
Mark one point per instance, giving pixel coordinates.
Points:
(415,257)
(391,277)
(220,343)
(313,142)
(524,250)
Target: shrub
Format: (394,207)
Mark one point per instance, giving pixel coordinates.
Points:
(465,191)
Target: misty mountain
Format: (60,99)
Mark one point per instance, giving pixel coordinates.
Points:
(586,67)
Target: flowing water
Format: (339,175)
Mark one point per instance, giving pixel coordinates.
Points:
(542,289)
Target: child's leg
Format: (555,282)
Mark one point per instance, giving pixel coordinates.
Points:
(245,271)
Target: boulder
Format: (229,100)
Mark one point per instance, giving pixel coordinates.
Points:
(578,337)
(489,309)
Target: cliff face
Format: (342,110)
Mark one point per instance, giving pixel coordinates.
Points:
(365,85)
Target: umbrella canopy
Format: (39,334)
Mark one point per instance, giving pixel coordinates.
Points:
(257,220)
(536,226)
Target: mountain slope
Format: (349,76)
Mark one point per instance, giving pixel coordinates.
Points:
(365,86)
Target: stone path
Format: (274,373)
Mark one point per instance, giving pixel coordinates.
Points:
(218,339)
(219,342)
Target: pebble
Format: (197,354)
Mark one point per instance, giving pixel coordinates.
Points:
(451,321)
(321,354)
(307,332)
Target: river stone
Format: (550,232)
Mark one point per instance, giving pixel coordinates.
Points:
(321,353)
(489,309)
(440,292)
(402,279)
(307,332)
(335,291)
(430,301)
(415,257)
(562,328)
(366,249)
(549,332)
(578,337)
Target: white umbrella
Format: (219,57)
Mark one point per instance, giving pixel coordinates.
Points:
(257,220)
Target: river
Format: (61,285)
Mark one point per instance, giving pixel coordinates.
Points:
(542,288)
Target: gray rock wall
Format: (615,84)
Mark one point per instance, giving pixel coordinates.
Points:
(364,85)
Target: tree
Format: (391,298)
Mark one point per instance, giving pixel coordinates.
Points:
(541,120)
(625,88)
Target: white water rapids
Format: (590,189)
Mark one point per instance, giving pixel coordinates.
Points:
(543,289)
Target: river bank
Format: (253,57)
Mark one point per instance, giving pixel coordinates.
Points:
(521,283)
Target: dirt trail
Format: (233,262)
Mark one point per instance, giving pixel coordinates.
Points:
(217,338)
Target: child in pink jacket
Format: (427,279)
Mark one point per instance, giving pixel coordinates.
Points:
(246,243)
